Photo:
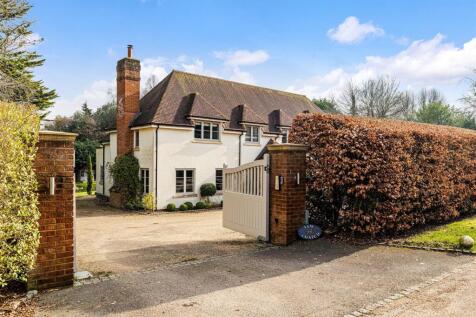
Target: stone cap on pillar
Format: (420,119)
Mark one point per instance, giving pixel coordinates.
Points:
(46,135)
(288,147)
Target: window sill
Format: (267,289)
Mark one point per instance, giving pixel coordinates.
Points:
(207,141)
(252,144)
(189,195)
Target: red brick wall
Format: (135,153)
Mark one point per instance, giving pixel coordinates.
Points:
(128,94)
(287,205)
(55,260)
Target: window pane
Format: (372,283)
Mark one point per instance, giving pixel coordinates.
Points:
(219,179)
(206,131)
(248,134)
(255,135)
(215,131)
(137,137)
(198,131)
(179,185)
(189,181)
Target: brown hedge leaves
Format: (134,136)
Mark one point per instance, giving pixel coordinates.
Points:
(374,176)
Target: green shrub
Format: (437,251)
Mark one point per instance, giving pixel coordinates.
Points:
(89,186)
(183,207)
(134,204)
(19,237)
(148,201)
(171,207)
(189,205)
(81,186)
(207,190)
(125,175)
(200,205)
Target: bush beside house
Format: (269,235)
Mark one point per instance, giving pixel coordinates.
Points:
(19,214)
(382,177)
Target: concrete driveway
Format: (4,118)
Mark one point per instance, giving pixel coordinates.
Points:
(115,241)
(316,278)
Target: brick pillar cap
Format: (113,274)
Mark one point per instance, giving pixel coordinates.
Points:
(46,135)
(287,147)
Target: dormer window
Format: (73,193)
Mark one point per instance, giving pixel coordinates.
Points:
(207,131)
(252,134)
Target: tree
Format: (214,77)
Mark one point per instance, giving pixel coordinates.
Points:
(105,117)
(89,187)
(18,59)
(326,105)
(435,113)
(150,83)
(470,97)
(429,96)
(348,99)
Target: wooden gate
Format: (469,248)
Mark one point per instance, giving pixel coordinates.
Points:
(245,198)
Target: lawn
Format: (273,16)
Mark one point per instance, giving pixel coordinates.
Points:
(81,189)
(446,236)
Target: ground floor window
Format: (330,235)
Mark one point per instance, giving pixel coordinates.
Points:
(101,178)
(184,179)
(144,179)
(219,179)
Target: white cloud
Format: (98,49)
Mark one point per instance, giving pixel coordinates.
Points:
(97,94)
(195,67)
(242,76)
(424,63)
(242,57)
(352,31)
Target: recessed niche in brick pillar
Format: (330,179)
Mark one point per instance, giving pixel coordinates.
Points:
(54,167)
(287,191)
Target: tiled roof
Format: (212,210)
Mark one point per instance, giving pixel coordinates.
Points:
(181,95)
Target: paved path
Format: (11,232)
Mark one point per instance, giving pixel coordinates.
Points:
(453,296)
(317,278)
(112,240)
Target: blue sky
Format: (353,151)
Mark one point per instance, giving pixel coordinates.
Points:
(310,47)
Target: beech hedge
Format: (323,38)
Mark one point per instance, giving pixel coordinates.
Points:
(19,236)
(382,177)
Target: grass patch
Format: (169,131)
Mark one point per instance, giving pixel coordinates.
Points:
(446,236)
(84,194)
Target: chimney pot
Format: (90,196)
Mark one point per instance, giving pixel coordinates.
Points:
(129,51)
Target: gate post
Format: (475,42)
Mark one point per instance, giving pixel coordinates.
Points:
(54,168)
(287,191)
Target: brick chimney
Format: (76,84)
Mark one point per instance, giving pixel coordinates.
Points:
(128,91)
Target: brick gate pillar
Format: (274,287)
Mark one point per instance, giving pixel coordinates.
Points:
(287,191)
(54,168)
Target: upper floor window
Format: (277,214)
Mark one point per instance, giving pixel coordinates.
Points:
(252,134)
(207,131)
(136,138)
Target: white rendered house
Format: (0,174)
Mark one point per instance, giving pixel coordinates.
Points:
(188,127)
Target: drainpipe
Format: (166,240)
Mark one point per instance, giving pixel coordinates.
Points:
(155,164)
(239,149)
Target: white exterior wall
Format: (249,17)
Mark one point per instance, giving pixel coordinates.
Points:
(145,153)
(177,149)
(103,189)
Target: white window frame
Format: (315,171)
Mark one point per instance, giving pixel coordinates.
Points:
(185,192)
(254,135)
(216,177)
(136,138)
(285,134)
(202,130)
(145,181)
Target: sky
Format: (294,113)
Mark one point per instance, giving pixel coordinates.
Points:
(308,47)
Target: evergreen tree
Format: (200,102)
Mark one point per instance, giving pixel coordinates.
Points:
(18,59)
